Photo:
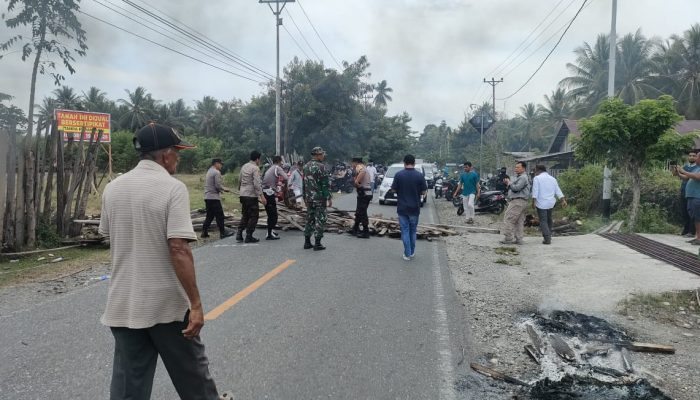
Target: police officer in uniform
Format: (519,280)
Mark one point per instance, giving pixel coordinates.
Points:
(317,196)
(363,184)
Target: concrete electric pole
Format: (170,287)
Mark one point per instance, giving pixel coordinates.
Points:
(607,181)
(493,82)
(277,11)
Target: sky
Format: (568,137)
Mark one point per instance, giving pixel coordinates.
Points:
(434,54)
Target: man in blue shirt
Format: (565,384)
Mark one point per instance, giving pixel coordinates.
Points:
(692,195)
(469,184)
(409,186)
(688,225)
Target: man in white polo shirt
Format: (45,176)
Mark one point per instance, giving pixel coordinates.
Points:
(153,305)
(545,192)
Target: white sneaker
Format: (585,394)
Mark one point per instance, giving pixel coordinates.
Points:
(406,258)
(412,255)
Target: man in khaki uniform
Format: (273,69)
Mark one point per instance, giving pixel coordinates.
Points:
(153,304)
(518,195)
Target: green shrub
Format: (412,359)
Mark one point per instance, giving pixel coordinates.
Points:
(583,188)
(652,218)
(46,235)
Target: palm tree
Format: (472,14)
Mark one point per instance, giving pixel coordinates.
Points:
(635,68)
(66,98)
(138,108)
(95,100)
(680,64)
(530,116)
(45,111)
(589,83)
(382,95)
(206,114)
(557,107)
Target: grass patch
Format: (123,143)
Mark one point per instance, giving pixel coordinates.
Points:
(507,251)
(678,307)
(506,261)
(34,267)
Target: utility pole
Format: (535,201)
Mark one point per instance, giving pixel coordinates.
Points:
(493,82)
(277,11)
(607,181)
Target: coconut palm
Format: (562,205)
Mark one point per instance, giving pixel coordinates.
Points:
(95,100)
(636,68)
(679,62)
(380,99)
(45,111)
(589,83)
(206,114)
(66,98)
(138,108)
(530,116)
(557,107)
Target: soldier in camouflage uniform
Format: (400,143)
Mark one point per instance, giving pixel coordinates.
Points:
(316,195)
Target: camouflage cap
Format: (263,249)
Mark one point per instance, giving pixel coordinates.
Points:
(317,150)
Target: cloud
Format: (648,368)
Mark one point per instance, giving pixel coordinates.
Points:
(433,53)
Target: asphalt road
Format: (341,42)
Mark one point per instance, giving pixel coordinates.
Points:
(352,322)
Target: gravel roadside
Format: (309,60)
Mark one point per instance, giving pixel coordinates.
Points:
(500,289)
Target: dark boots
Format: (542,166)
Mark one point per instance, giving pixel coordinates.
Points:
(307,242)
(364,234)
(239,235)
(547,240)
(318,246)
(355,230)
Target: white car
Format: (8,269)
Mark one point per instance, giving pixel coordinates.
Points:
(386,195)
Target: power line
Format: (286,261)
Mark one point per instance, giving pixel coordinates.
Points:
(550,53)
(317,34)
(167,36)
(302,35)
(501,67)
(526,38)
(166,47)
(202,40)
(295,41)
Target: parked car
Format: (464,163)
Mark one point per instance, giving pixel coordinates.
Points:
(429,172)
(386,195)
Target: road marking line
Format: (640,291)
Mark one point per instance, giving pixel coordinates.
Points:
(443,328)
(223,307)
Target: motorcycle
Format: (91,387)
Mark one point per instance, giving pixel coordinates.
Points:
(493,201)
(342,184)
(448,188)
(438,188)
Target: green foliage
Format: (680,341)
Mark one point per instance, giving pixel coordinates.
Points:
(652,218)
(658,187)
(198,159)
(46,235)
(124,156)
(583,188)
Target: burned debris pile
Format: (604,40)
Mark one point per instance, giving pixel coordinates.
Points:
(583,357)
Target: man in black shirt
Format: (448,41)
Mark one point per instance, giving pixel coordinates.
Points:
(409,186)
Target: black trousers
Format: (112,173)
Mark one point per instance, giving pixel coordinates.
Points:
(214,210)
(361,216)
(251,213)
(271,210)
(545,217)
(136,354)
(688,224)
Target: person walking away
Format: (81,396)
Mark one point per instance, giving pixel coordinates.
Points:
(250,190)
(296,183)
(153,304)
(317,196)
(518,194)
(213,187)
(269,186)
(688,225)
(372,171)
(692,197)
(363,184)
(469,185)
(409,186)
(545,192)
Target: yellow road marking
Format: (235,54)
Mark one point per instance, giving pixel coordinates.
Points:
(223,307)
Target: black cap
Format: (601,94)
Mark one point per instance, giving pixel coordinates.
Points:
(357,159)
(156,137)
(216,160)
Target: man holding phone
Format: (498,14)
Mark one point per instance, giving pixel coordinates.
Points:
(688,225)
(691,176)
